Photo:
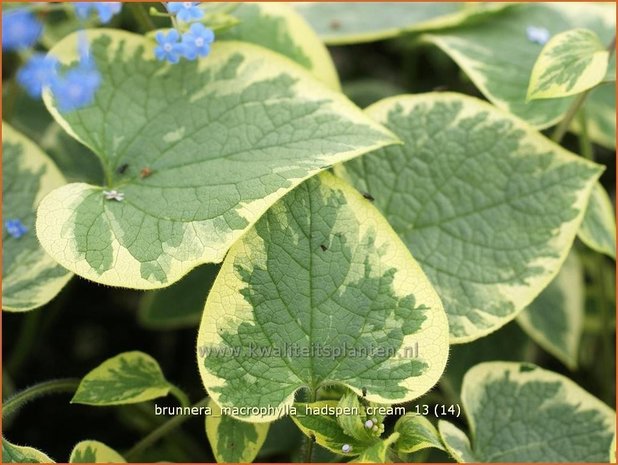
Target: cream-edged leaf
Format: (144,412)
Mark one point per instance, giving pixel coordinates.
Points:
(570,63)
(487,205)
(231,440)
(209,146)
(416,432)
(30,277)
(12,453)
(339,23)
(127,378)
(522,413)
(280,28)
(555,318)
(90,451)
(598,229)
(320,291)
(499,55)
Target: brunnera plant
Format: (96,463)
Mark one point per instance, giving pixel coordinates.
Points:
(373,272)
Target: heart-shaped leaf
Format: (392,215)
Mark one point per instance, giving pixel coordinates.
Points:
(280,28)
(487,205)
(127,378)
(571,62)
(499,55)
(94,452)
(320,291)
(30,277)
(196,152)
(556,317)
(522,413)
(231,440)
(598,229)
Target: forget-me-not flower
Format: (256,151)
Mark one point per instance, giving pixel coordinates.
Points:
(185,11)
(20,29)
(105,10)
(538,35)
(197,41)
(169,48)
(77,88)
(15,228)
(37,73)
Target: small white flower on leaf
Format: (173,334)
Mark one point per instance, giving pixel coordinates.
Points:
(113,195)
(538,35)
(346,448)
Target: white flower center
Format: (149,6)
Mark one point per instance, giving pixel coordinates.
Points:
(199,42)
(167,47)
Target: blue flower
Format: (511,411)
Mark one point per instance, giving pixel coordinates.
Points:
(15,228)
(37,73)
(197,41)
(169,48)
(20,29)
(537,35)
(105,10)
(77,88)
(185,11)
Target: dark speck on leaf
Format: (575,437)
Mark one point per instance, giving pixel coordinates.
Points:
(525,367)
(368,196)
(313,439)
(323,247)
(364,392)
(122,168)
(335,24)
(145,172)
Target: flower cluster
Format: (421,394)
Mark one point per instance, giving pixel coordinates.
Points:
(194,43)
(72,90)
(104,10)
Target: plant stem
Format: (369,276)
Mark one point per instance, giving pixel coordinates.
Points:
(56,386)
(161,431)
(141,16)
(585,145)
(308,440)
(564,125)
(179,394)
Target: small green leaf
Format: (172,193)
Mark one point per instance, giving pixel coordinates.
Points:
(598,230)
(279,27)
(193,181)
(22,454)
(356,22)
(416,433)
(30,277)
(181,304)
(522,413)
(354,424)
(487,205)
(570,63)
(94,452)
(326,429)
(234,441)
(377,453)
(457,443)
(555,318)
(127,378)
(498,56)
(320,291)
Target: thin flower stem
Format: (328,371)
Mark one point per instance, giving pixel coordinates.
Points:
(564,125)
(585,145)
(309,441)
(56,386)
(161,431)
